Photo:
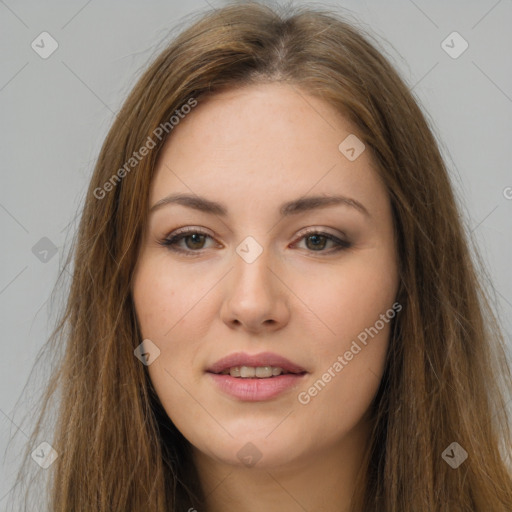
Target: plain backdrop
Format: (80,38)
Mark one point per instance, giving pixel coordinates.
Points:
(56,111)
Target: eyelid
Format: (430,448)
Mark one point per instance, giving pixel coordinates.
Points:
(189,229)
(300,234)
(319,230)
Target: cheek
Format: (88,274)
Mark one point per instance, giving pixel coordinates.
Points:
(173,311)
(350,364)
(343,303)
(165,299)
(166,305)
(350,329)
(337,401)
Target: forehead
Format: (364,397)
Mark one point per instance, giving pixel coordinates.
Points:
(262,142)
(279,116)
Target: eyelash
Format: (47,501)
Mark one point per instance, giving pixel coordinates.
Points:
(170,242)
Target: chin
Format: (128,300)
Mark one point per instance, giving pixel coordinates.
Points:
(253,451)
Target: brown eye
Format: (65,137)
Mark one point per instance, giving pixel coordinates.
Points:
(197,240)
(194,241)
(316,241)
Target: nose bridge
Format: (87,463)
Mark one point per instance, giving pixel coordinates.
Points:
(252,273)
(254,296)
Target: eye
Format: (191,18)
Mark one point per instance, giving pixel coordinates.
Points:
(316,241)
(196,236)
(194,240)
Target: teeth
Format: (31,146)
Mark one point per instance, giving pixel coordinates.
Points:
(248,372)
(263,372)
(234,372)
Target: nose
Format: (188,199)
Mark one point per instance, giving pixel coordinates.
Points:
(256,299)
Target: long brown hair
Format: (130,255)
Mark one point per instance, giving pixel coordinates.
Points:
(446,370)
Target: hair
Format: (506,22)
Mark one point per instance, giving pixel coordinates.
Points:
(446,366)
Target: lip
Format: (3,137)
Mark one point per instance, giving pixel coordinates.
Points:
(261,359)
(255,389)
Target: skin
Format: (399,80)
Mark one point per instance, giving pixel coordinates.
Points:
(252,149)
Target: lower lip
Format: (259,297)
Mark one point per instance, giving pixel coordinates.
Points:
(254,389)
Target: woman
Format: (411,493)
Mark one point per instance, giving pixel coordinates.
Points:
(273,304)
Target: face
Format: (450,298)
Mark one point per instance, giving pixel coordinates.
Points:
(305,286)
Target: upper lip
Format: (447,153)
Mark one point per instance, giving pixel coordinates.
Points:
(261,359)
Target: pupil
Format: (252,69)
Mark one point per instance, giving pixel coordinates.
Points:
(315,243)
(195,239)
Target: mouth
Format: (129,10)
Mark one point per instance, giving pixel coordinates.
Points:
(260,366)
(256,372)
(255,378)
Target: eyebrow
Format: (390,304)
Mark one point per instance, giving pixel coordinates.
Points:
(294,207)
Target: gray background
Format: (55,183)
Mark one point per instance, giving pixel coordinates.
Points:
(55,113)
